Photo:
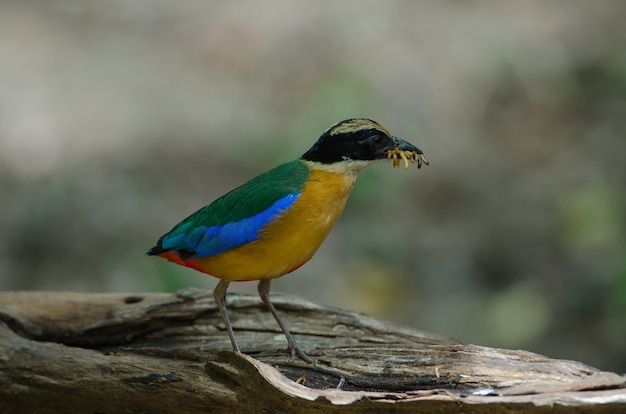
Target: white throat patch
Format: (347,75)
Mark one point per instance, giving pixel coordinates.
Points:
(347,166)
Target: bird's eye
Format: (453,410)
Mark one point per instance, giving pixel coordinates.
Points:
(376,139)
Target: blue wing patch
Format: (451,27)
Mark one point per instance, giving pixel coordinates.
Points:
(208,241)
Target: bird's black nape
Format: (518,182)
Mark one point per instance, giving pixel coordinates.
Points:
(352,139)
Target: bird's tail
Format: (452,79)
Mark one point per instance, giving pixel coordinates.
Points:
(156,250)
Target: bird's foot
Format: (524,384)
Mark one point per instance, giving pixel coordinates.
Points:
(295,350)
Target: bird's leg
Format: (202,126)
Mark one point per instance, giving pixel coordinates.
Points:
(220,300)
(264,293)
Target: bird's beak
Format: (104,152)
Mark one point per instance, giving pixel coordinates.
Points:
(405,151)
(402,145)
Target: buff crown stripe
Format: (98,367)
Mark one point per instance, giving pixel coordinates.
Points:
(356,125)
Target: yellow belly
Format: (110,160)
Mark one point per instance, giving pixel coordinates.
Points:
(290,241)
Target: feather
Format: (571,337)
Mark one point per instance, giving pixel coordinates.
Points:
(237,217)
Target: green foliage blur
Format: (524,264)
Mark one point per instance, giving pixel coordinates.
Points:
(118,119)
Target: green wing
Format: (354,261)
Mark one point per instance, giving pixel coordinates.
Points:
(237,217)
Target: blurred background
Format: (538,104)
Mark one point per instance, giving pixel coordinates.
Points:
(118,119)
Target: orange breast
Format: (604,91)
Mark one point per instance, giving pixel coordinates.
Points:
(291,240)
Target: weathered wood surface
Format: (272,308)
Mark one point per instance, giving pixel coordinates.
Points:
(66,352)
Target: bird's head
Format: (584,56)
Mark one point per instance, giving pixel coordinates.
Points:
(356,143)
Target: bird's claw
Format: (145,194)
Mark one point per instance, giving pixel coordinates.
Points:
(294,350)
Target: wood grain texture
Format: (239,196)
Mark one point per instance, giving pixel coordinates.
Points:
(64,352)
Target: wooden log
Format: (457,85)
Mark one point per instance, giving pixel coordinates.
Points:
(64,352)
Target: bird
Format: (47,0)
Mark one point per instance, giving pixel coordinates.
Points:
(274,223)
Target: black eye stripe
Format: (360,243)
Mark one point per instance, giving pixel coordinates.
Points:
(357,139)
